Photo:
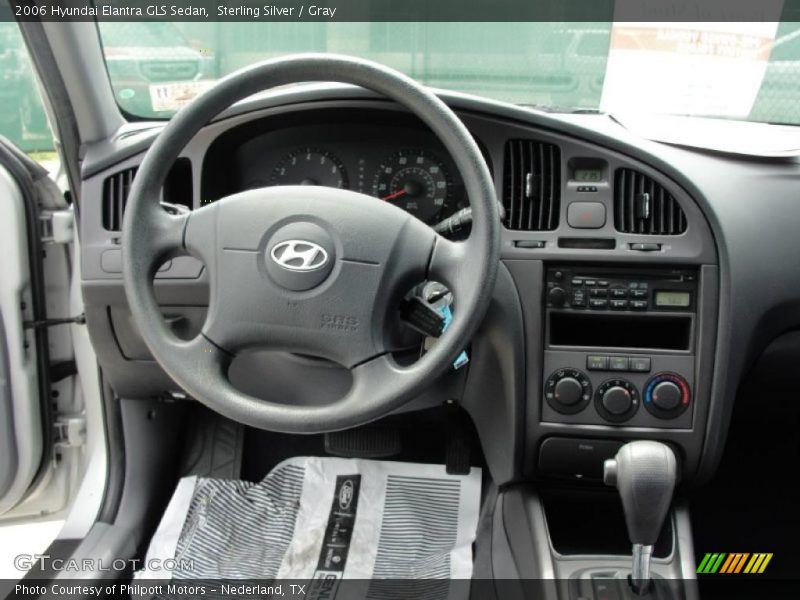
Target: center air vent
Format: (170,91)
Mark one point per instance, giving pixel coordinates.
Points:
(531,185)
(643,206)
(115,195)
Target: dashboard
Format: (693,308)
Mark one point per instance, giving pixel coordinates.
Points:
(624,263)
(393,161)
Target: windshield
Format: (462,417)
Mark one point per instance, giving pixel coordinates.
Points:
(744,71)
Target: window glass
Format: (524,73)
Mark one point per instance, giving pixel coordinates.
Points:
(22,115)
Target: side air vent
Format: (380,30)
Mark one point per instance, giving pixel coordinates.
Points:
(115,195)
(532,185)
(644,207)
(116,187)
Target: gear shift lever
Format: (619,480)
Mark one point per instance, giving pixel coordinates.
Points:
(644,473)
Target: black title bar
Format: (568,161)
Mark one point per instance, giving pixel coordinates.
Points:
(402,10)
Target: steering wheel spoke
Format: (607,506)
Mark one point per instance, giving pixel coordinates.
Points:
(159,238)
(450,265)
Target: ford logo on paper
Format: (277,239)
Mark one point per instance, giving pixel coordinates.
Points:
(299,255)
(346,495)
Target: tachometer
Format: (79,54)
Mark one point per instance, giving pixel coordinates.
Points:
(309,166)
(416,181)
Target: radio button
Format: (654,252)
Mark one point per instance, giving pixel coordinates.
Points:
(578,298)
(619,304)
(557,297)
(598,293)
(598,303)
(638,293)
(619,293)
(639,304)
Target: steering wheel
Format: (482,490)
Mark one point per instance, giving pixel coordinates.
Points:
(311,270)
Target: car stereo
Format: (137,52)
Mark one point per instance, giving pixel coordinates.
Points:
(619,346)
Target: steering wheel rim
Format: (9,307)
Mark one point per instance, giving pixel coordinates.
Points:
(371,244)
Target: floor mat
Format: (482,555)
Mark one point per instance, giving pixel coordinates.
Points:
(316,518)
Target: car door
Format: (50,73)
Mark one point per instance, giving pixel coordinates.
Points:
(25,416)
(42,423)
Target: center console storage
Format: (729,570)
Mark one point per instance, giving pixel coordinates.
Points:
(589,521)
(619,346)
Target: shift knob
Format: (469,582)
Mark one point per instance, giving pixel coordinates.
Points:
(644,473)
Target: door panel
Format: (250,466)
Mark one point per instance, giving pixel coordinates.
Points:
(22,428)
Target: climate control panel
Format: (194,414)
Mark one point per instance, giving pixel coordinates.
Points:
(626,390)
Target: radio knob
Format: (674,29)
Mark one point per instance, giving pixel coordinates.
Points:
(667,395)
(568,391)
(557,296)
(617,400)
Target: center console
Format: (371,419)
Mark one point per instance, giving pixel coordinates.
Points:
(620,346)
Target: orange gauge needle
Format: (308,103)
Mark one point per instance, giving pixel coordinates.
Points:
(394,195)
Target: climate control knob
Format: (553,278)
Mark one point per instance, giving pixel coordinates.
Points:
(667,395)
(568,391)
(616,400)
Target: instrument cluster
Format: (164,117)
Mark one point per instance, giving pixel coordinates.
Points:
(399,162)
(415,179)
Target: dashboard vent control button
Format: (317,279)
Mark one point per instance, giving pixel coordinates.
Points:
(646,247)
(530,244)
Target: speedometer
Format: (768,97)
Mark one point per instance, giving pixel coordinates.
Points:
(309,166)
(416,181)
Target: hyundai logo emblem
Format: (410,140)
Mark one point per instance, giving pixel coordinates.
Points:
(299,255)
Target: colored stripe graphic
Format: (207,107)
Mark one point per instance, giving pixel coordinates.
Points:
(736,562)
(711,562)
(715,567)
(727,564)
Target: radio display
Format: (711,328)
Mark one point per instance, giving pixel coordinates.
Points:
(588,175)
(673,299)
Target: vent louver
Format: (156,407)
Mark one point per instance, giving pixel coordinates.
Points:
(531,185)
(642,206)
(115,195)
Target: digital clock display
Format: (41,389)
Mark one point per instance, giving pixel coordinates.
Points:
(588,175)
(673,299)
